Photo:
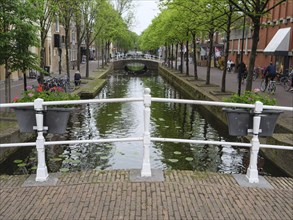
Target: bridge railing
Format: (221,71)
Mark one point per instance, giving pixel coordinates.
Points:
(40,143)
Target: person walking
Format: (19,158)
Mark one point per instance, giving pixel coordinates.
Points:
(229,65)
(77,78)
(242,71)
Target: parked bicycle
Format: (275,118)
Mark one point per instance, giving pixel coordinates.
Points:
(286,81)
(66,84)
(60,82)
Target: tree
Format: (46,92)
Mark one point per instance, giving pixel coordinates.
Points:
(65,12)
(46,10)
(254,9)
(125,10)
(18,34)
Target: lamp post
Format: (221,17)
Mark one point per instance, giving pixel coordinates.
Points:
(241,59)
(60,61)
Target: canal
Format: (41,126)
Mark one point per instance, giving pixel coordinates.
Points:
(120,120)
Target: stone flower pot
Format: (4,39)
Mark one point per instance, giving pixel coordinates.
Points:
(54,118)
(240,120)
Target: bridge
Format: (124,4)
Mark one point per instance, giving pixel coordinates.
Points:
(115,194)
(150,64)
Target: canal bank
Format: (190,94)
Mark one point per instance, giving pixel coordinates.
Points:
(197,89)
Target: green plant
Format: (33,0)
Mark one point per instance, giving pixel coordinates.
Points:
(250,98)
(54,94)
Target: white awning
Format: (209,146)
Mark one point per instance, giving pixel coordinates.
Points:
(279,45)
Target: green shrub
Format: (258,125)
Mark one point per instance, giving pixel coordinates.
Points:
(250,98)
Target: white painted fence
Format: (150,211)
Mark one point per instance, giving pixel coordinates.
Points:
(40,105)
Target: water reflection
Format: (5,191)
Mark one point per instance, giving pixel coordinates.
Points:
(170,120)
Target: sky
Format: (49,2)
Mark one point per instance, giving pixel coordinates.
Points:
(145,11)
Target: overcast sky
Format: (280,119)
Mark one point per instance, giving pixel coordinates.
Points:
(145,11)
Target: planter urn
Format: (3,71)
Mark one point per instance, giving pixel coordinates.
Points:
(54,118)
(240,120)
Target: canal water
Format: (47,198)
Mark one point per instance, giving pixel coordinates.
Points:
(121,120)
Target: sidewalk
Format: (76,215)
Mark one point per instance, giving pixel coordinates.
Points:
(17,86)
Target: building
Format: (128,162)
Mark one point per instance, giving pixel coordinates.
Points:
(275,39)
(54,51)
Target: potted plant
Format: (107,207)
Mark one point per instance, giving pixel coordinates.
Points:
(55,118)
(240,120)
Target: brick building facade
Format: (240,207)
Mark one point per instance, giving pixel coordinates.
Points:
(273,46)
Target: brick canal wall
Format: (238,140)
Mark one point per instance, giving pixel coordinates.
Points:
(194,91)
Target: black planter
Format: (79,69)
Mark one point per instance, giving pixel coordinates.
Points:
(54,118)
(240,120)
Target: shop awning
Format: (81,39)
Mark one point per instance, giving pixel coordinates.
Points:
(279,45)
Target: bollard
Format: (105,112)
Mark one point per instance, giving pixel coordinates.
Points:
(252,172)
(146,165)
(42,172)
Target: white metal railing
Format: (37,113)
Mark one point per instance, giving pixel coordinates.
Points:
(39,105)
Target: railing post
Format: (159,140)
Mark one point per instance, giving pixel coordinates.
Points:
(146,166)
(42,172)
(252,172)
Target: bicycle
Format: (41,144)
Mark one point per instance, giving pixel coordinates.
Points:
(66,84)
(243,77)
(271,85)
(287,82)
(257,71)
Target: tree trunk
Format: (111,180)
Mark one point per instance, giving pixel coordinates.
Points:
(172,56)
(223,86)
(42,61)
(7,79)
(169,56)
(187,60)
(194,57)
(67,50)
(255,39)
(87,54)
(102,53)
(166,53)
(176,56)
(208,78)
(24,82)
(78,47)
(181,57)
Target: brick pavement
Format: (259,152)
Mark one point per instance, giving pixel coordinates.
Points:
(111,195)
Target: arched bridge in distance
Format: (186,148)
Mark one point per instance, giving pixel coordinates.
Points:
(121,64)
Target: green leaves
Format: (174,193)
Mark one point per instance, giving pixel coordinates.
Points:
(250,98)
(18,34)
(30,95)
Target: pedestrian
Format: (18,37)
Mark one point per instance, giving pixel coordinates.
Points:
(270,72)
(242,71)
(77,78)
(229,65)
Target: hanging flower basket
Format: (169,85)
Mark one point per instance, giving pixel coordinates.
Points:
(240,120)
(54,118)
